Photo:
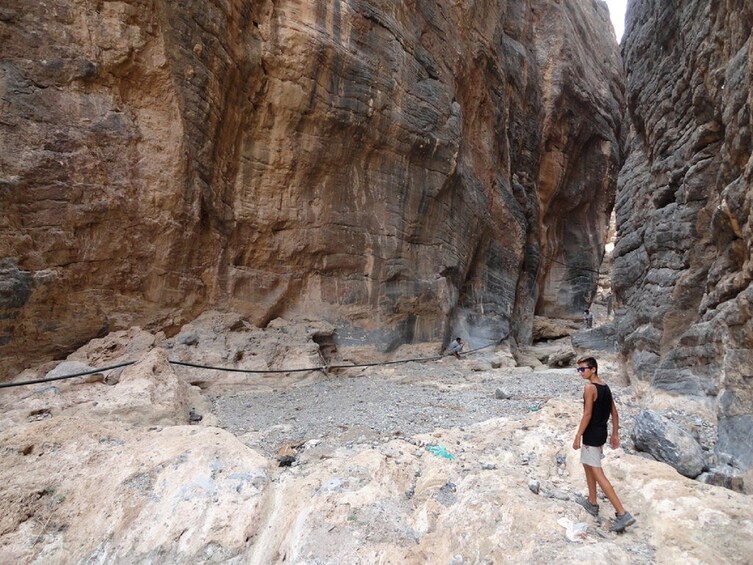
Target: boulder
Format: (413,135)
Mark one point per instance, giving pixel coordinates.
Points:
(667,442)
(735,439)
(545,329)
(130,494)
(67,368)
(502,360)
(527,358)
(723,477)
(149,393)
(600,338)
(561,358)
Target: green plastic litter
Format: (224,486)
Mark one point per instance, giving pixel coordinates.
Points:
(439,451)
(533,408)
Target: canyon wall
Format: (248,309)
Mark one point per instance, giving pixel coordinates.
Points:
(683,267)
(406,170)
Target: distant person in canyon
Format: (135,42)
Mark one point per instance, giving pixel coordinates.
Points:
(455,348)
(588,319)
(598,406)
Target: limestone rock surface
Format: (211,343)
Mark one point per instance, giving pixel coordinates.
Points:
(85,485)
(113,493)
(683,268)
(407,171)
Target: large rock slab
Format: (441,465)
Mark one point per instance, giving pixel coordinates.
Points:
(408,171)
(115,494)
(600,338)
(667,442)
(545,329)
(149,393)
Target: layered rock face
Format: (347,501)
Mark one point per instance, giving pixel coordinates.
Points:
(683,265)
(407,171)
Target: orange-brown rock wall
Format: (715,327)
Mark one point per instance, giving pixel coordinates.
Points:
(406,170)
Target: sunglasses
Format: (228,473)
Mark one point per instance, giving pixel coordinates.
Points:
(583,369)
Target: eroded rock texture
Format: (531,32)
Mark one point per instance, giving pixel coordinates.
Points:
(683,264)
(406,170)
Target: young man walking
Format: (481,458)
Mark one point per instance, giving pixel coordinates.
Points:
(598,406)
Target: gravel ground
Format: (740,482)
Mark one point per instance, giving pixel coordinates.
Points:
(378,405)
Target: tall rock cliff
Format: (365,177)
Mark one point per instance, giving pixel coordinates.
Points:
(683,266)
(409,170)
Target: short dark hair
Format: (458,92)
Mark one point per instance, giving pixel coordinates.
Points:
(590,362)
(457,339)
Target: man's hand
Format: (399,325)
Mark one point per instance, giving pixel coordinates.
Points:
(576,443)
(614,441)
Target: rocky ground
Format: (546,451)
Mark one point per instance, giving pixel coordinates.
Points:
(375,405)
(451,461)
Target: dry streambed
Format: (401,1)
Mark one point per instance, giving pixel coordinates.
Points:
(96,472)
(396,403)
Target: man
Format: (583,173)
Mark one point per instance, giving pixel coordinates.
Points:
(588,319)
(598,406)
(455,347)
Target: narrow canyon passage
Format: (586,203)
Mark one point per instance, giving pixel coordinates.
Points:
(301,194)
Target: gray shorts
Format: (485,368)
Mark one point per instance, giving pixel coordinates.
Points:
(591,456)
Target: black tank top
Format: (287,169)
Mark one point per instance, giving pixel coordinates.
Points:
(596,431)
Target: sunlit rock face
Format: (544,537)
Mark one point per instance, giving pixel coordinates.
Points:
(408,171)
(683,264)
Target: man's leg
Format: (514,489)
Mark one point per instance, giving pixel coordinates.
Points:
(606,487)
(591,482)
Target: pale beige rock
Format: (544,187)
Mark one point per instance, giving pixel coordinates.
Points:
(552,328)
(118,494)
(562,357)
(149,393)
(72,368)
(116,347)
(356,511)
(659,400)
(527,358)
(80,486)
(502,359)
(98,473)
(225,340)
(417,351)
